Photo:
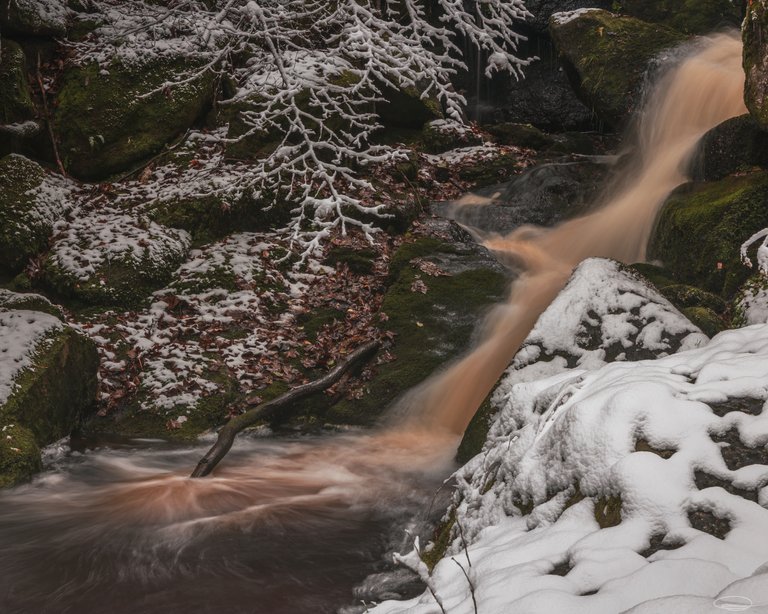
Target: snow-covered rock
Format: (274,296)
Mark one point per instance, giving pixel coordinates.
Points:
(637,485)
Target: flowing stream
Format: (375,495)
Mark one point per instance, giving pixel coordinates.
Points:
(292,525)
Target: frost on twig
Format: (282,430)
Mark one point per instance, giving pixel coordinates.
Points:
(762,251)
(308,76)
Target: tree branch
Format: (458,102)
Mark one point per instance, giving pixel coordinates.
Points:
(227,434)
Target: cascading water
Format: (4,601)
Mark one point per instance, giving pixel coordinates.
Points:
(291,526)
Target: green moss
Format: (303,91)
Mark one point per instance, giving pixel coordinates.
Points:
(521,135)
(606,58)
(705,224)
(313,322)
(438,139)
(360,261)
(29,302)
(24,231)
(53,396)
(441,540)
(105,127)
(19,455)
(754,286)
(15,99)
(756,87)
(658,276)
(682,296)
(491,171)
(430,329)
(689,16)
(408,108)
(706,319)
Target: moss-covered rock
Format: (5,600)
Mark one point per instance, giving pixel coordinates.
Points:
(521,135)
(31,201)
(19,455)
(47,385)
(432,322)
(29,302)
(736,145)
(443,135)
(689,16)
(112,258)
(682,296)
(606,58)
(755,34)
(408,108)
(35,17)
(15,99)
(476,433)
(750,305)
(702,226)
(706,319)
(104,124)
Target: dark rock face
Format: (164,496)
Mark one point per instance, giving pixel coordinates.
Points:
(606,58)
(755,34)
(15,100)
(736,145)
(689,16)
(543,196)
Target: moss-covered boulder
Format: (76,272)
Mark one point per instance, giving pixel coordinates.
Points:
(410,107)
(28,302)
(438,290)
(706,319)
(35,17)
(105,125)
(689,16)
(736,145)
(755,34)
(113,258)
(442,135)
(15,99)
(31,201)
(47,385)
(606,58)
(702,226)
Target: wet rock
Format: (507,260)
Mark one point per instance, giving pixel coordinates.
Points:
(606,58)
(736,145)
(702,226)
(689,16)
(112,258)
(47,385)
(440,282)
(105,126)
(755,34)
(35,17)
(31,201)
(542,196)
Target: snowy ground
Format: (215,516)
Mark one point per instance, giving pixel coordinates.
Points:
(637,487)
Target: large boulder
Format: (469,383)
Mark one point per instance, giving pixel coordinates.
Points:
(689,16)
(105,125)
(702,226)
(35,17)
(113,258)
(47,385)
(15,97)
(755,35)
(439,285)
(606,58)
(31,201)
(736,145)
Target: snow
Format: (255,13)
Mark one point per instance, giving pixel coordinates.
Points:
(564,17)
(21,333)
(752,301)
(641,435)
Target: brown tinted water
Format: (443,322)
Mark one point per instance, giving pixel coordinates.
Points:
(290,526)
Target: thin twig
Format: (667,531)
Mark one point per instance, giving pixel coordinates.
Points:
(48,120)
(471,586)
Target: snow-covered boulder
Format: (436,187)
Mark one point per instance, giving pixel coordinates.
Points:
(28,301)
(110,257)
(35,17)
(601,491)
(607,56)
(443,135)
(47,383)
(751,303)
(31,201)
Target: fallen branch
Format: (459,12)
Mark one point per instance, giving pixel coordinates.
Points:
(227,434)
(48,120)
